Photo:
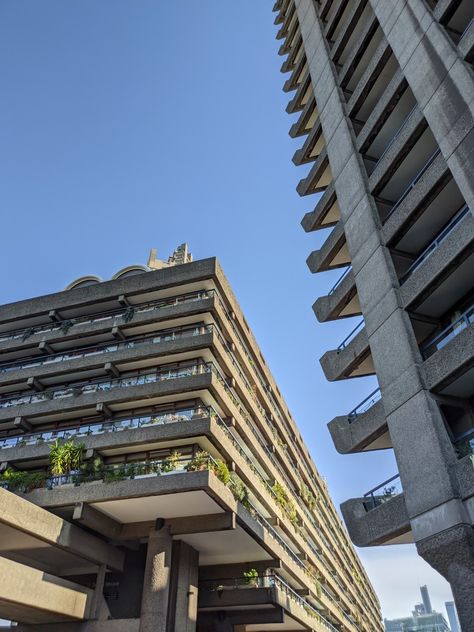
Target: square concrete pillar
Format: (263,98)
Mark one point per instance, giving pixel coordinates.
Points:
(184,588)
(156,582)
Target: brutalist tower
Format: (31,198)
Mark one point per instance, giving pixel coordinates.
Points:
(384,93)
(152,478)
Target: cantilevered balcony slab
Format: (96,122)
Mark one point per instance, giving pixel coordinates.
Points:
(297,76)
(301,97)
(357,51)
(352,360)
(350,23)
(411,207)
(313,146)
(333,253)
(31,596)
(466,44)
(318,178)
(386,524)
(306,120)
(369,77)
(381,111)
(447,257)
(368,431)
(449,371)
(341,302)
(326,212)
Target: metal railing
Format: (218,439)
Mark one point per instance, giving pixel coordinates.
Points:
(458,217)
(97,428)
(382,493)
(100,385)
(397,133)
(365,405)
(450,332)
(351,336)
(126,313)
(464,445)
(425,167)
(107,347)
(339,281)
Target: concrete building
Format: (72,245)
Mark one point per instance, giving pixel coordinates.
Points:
(383,93)
(452,616)
(153,478)
(423,619)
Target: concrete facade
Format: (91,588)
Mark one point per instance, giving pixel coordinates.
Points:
(392,84)
(195,505)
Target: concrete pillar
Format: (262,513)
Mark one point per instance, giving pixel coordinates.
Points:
(98,596)
(451,553)
(183,588)
(156,582)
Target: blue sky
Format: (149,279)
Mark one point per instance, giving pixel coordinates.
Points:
(131,124)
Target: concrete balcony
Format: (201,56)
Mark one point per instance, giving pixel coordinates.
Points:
(352,358)
(350,23)
(313,145)
(372,83)
(318,178)
(288,23)
(361,431)
(385,108)
(466,43)
(297,76)
(301,97)
(449,366)
(335,19)
(386,523)
(442,274)
(294,56)
(333,253)
(410,209)
(326,212)
(341,302)
(306,120)
(360,54)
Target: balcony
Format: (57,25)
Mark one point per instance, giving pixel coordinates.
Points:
(449,358)
(380,517)
(301,97)
(318,178)
(364,429)
(325,214)
(313,146)
(341,302)
(333,253)
(360,55)
(456,16)
(349,29)
(306,120)
(352,358)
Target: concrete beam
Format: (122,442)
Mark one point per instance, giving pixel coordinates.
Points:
(39,523)
(182,526)
(32,596)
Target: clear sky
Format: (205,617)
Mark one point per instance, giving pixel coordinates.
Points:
(131,124)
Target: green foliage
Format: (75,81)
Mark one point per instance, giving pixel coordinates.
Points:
(199,462)
(220,469)
(251,577)
(308,497)
(114,475)
(171,463)
(65,458)
(239,490)
(20,481)
(281,495)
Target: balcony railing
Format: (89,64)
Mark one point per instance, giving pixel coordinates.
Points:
(339,281)
(351,336)
(447,230)
(365,405)
(382,493)
(97,428)
(100,385)
(126,313)
(464,445)
(107,347)
(397,133)
(450,332)
(412,184)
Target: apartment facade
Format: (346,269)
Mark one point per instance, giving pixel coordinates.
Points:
(383,97)
(152,477)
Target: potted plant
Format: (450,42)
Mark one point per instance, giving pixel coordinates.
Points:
(65,458)
(199,462)
(251,578)
(171,463)
(240,491)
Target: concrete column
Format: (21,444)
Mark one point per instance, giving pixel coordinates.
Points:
(451,553)
(156,582)
(183,588)
(98,596)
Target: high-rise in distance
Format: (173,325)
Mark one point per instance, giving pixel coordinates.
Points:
(152,478)
(384,96)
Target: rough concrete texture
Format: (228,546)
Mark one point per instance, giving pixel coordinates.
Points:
(354,436)
(156,582)
(386,522)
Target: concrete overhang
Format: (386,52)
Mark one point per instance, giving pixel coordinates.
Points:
(318,178)
(312,147)
(353,360)
(343,302)
(325,214)
(386,524)
(366,432)
(333,253)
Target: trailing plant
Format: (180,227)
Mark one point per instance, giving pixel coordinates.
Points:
(251,577)
(239,490)
(292,514)
(114,475)
(171,463)
(281,495)
(220,469)
(307,496)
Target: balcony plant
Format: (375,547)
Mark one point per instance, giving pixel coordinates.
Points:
(251,578)
(171,463)
(20,481)
(65,458)
(199,462)
(239,490)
